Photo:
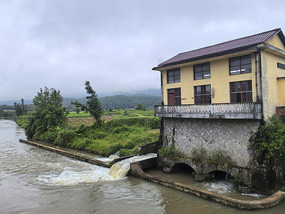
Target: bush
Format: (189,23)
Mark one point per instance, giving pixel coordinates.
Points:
(127,152)
(123,128)
(217,157)
(114,148)
(140,107)
(64,137)
(270,140)
(81,143)
(49,136)
(170,152)
(199,155)
(269,146)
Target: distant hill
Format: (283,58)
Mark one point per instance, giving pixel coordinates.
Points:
(151,91)
(129,101)
(120,101)
(11,102)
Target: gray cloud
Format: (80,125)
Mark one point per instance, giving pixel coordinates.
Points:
(113,44)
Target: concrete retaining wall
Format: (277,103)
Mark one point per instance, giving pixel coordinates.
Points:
(268,202)
(232,136)
(66,153)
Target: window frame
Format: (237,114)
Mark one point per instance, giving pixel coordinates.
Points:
(175,74)
(241,66)
(203,96)
(245,96)
(203,71)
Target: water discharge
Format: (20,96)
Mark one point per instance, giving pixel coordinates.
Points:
(119,170)
(89,173)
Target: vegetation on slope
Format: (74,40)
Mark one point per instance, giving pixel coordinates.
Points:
(123,135)
(120,130)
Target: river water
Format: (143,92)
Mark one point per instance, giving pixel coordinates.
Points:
(36,181)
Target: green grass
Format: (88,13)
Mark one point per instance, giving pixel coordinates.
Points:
(116,114)
(123,130)
(80,114)
(123,135)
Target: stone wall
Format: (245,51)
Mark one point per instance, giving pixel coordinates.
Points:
(232,136)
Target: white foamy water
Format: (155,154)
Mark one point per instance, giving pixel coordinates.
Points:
(221,187)
(87,173)
(109,159)
(255,195)
(119,170)
(70,177)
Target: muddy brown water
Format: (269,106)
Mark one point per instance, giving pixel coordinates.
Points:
(35,181)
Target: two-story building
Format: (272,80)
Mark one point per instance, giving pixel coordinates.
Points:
(216,97)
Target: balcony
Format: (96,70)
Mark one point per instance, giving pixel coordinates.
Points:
(212,111)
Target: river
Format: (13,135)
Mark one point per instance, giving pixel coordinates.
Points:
(36,181)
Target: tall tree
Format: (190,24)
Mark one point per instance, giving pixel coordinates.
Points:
(20,109)
(93,105)
(48,115)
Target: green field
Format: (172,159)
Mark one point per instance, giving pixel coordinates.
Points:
(115,114)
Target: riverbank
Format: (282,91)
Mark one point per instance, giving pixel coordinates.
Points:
(68,152)
(137,169)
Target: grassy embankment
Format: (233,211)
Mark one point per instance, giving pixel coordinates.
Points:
(122,130)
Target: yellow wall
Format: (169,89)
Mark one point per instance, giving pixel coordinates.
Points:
(281,91)
(271,91)
(219,81)
(275,41)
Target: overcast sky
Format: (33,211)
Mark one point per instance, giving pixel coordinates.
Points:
(114,44)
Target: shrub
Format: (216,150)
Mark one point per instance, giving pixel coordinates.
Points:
(114,148)
(140,107)
(64,137)
(127,152)
(221,158)
(199,155)
(218,157)
(81,143)
(123,128)
(49,136)
(269,145)
(170,152)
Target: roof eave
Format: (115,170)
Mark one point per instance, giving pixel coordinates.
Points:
(207,56)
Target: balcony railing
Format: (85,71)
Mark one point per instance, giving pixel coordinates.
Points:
(222,111)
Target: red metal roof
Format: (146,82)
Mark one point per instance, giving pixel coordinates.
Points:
(222,48)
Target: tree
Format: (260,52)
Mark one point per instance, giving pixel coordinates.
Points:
(93,105)
(2,112)
(49,114)
(20,109)
(270,145)
(140,107)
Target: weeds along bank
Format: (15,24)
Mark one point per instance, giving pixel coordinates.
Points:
(122,134)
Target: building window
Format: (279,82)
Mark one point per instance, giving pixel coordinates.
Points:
(241,92)
(174,96)
(240,65)
(280,65)
(173,75)
(202,71)
(202,94)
